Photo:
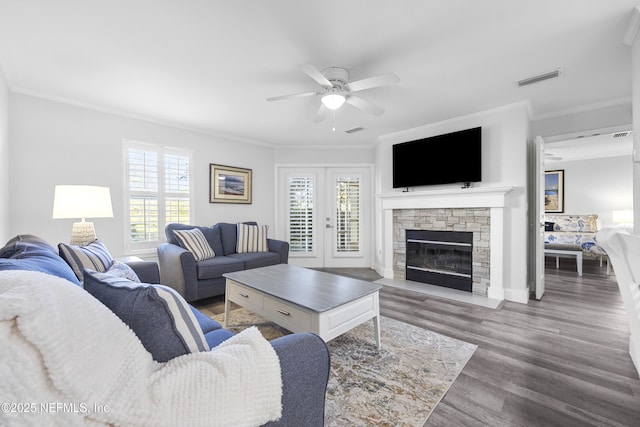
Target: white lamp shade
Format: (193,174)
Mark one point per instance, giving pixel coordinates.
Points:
(333,101)
(82,201)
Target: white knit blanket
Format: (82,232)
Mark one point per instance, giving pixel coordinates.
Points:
(66,359)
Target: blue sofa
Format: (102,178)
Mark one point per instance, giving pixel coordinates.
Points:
(203,279)
(304,357)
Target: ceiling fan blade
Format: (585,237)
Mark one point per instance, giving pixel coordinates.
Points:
(295,95)
(365,106)
(316,75)
(371,82)
(322,114)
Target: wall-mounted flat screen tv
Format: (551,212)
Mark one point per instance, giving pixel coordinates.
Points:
(444,159)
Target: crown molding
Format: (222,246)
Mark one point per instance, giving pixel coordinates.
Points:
(137,116)
(582,108)
(526,104)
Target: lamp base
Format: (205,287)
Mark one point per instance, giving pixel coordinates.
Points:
(82,233)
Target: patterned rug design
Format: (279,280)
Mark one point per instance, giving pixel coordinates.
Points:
(398,385)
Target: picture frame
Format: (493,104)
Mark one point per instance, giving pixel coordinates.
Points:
(554,191)
(229,184)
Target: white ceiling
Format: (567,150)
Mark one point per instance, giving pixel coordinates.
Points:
(210,65)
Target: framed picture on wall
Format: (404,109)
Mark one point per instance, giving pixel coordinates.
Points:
(554,191)
(229,184)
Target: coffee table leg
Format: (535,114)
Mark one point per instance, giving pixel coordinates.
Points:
(227,309)
(376,330)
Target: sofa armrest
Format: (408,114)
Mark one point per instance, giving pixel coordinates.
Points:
(281,248)
(304,363)
(178,270)
(147,271)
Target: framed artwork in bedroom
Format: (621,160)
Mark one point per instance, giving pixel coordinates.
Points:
(229,184)
(554,191)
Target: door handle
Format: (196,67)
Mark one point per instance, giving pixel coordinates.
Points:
(329,226)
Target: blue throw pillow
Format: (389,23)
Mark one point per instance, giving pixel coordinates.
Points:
(34,254)
(159,316)
(94,256)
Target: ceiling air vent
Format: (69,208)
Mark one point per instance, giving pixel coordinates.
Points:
(355,129)
(620,134)
(540,78)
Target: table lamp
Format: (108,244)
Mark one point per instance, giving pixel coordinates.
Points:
(82,201)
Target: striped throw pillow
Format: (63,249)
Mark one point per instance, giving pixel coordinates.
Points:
(194,241)
(94,256)
(157,314)
(252,238)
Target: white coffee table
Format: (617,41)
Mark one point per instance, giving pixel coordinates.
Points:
(303,300)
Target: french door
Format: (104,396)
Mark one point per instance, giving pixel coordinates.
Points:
(325,215)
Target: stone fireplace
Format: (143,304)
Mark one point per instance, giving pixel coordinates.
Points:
(478,210)
(473,222)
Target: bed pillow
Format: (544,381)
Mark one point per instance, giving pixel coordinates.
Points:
(252,238)
(159,316)
(194,241)
(94,256)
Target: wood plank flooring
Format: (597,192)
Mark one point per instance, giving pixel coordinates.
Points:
(561,361)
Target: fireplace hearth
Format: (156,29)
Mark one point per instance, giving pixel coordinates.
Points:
(442,258)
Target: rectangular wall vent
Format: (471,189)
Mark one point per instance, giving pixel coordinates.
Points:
(620,134)
(355,129)
(540,77)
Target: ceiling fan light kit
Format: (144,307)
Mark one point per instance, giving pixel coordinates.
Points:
(338,90)
(333,101)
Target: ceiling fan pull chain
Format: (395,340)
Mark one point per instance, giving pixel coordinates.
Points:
(334,120)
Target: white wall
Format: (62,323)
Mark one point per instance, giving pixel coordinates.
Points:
(5,175)
(55,143)
(325,155)
(505,132)
(597,186)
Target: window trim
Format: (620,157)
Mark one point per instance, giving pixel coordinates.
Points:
(149,247)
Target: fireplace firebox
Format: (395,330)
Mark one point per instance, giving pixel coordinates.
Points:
(442,258)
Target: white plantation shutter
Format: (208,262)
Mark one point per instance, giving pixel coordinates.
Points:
(143,199)
(347,214)
(158,192)
(300,191)
(176,180)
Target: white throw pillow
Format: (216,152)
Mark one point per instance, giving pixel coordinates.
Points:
(252,238)
(194,241)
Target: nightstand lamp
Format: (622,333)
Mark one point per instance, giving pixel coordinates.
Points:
(82,201)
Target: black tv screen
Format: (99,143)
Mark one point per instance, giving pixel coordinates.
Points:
(444,159)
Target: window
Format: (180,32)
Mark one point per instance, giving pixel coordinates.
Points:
(158,192)
(347,193)
(301,213)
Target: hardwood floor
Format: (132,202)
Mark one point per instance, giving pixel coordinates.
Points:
(561,361)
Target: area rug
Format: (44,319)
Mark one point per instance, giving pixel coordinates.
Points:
(398,385)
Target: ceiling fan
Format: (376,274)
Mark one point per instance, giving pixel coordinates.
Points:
(337,90)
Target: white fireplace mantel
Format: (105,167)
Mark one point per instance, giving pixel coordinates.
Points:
(476,197)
